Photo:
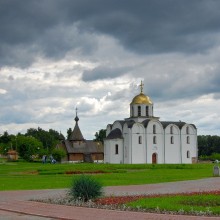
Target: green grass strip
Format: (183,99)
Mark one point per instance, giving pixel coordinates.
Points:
(182,204)
(24,175)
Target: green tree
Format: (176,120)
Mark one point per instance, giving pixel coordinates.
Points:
(69,132)
(207,145)
(49,138)
(5,138)
(100,136)
(28,146)
(7,142)
(58,154)
(4,148)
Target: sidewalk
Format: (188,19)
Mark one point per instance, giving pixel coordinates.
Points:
(15,204)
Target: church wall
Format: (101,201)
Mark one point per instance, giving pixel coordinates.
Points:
(97,156)
(138,152)
(111,156)
(116,124)
(155,147)
(189,146)
(172,147)
(127,143)
(108,130)
(134,110)
(75,157)
(107,151)
(158,144)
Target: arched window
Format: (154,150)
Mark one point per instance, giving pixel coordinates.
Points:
(154,129)
(171,140)
(132,111)
(154,139)
(187,140)
(187,130)
(139,110)
(140,139)
(147,111)
(116,149)
(188,154)
(171,129)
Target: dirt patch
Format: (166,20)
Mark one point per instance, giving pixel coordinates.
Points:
(84,172)
(34,172)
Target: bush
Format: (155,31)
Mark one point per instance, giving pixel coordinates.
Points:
(85,188)
(58,154)
(215,156)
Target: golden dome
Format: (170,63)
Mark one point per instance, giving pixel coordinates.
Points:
(141,99)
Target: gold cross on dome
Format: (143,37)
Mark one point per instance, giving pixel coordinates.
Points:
(142,85)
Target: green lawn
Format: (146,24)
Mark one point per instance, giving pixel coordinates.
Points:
(23,175)
(182,204)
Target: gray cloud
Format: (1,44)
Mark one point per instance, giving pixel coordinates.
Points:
(103,72)
(52,28)
(54,54)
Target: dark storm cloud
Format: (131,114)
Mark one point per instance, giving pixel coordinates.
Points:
(53,27)
(159,26)
(103,72)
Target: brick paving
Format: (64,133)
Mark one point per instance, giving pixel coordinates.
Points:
(15,204)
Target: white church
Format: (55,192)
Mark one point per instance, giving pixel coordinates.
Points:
(144,139)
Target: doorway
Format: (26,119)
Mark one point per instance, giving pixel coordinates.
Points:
(154,158)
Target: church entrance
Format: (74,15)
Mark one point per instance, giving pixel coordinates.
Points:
(154,158)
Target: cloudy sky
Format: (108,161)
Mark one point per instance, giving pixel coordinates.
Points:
(56,55)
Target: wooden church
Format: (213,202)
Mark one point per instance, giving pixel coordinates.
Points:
(78,149)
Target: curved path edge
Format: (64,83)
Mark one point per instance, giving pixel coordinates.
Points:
(18,202)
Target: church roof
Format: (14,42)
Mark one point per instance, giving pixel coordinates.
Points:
(87,146)
(61,137)
(76,134)
(130,123)
(193,125)
(180,124)
(145,122)
(141,98)
(116,133)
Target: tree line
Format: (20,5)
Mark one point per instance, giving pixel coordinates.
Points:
(33,142)
(209,147)
(40,142)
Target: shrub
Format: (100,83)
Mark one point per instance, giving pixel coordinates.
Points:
(215,156)
(85,188)
(58,154)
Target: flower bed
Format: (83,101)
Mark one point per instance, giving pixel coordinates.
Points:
(117,200)
(121,203)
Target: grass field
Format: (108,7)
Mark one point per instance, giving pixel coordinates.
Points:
(182,204)
(23,175)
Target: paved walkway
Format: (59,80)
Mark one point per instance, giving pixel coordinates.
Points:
(15,205)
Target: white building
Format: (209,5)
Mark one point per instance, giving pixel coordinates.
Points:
(142,138)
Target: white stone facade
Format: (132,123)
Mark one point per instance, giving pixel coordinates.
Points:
(142,138)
